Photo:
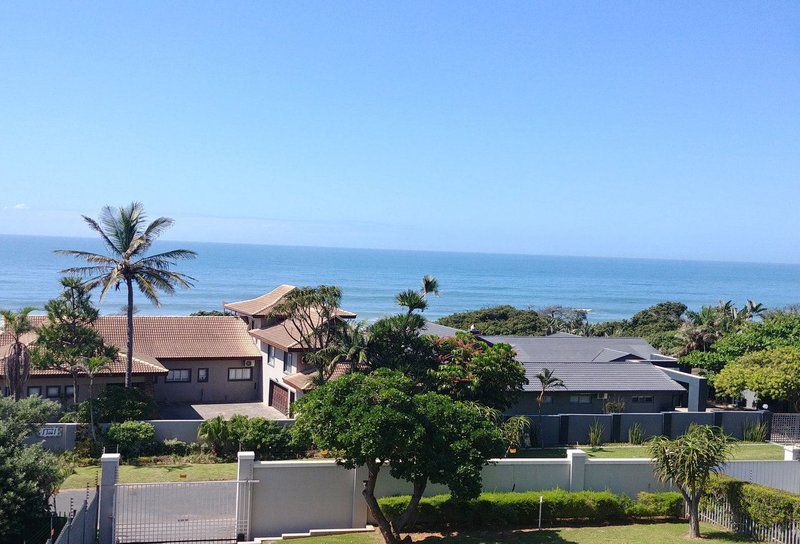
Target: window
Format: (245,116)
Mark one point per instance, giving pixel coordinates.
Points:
(53,391)
(270,355)
(202,374)
(34,390)
(288,363)
(580,399)
(244,374)
(179,375)
(643,399)
(548,399)
(69,391)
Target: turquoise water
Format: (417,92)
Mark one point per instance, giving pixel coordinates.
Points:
(611,288)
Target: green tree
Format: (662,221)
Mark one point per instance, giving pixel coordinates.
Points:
(92,367)
(417,300)
(503,319)
(547,381)
(310,316)
(29,474)
(772,374)
(17,359)
(127,237)
(688,461)
(471,370)
(68,337)
(378,419)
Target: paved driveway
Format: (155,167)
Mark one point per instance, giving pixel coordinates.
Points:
(226,410)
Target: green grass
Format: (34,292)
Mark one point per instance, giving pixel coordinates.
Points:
(741,452)
(657,533)
(155,473)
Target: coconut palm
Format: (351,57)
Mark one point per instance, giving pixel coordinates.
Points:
(17,358)
(547,381)
(127,238)
(91,367)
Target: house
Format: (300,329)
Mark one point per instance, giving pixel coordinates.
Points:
(178,359)
(595,371)
(286,375)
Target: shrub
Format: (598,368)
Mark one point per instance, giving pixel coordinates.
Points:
(522,509)
(173,446)
(68,417)
(596,434)
(754,431)
(764,505)
(635,434)
(133,438)
(268,440)
(118,404)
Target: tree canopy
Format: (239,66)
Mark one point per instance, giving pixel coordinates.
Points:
(773,374)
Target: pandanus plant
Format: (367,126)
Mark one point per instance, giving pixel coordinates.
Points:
(17,359)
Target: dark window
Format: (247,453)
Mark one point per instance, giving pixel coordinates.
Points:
(580,399)
(69,391)
(179,375)
(53,391)
(34,390)
(202,374)
(643,399)
(243,374)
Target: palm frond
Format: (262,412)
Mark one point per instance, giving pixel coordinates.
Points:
(112,245)
(88,256)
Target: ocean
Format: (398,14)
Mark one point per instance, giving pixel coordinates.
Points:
(609,288)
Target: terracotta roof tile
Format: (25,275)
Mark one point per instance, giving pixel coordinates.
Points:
(260,306)
(141,365)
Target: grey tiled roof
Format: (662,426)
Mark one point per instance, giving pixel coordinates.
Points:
(604,377)
(441,331)
(564,348)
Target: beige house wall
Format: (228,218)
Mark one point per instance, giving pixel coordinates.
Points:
(217,389)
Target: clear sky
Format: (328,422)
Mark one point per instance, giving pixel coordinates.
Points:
(639,129)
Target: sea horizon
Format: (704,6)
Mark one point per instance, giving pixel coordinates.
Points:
(610,287)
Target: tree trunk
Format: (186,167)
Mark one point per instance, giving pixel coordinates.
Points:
(694,517)
(400,523)
(91,406)
(129,363)
(541,430)
(75,390)
(372,504)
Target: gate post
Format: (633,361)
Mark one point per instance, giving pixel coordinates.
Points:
(246,460)
(109,467)
(577,469)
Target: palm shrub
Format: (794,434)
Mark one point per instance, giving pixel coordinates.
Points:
(596,430)
(755,431)
(514,430)
(635,434)
(215,434)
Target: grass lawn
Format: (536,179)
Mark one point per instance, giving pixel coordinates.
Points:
(156,473)
(741,452)
(656,533)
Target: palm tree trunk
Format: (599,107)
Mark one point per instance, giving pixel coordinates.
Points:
(129,364)
(91,406)
(541,430)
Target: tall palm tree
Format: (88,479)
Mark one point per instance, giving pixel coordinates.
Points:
(127,238)
(547,381)
(416,300)
(91,367)
(18,357)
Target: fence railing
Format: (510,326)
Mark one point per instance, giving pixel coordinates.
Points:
(81,526)
(719,512)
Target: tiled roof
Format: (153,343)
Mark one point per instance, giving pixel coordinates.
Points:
(286,335)
(141,365)
(604,377)
(260,306)
(567,348)
(175,337)
(442,331)
(304,380)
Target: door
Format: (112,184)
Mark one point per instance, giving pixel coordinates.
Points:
(278,397)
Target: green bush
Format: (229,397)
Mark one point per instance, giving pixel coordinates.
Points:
(764,505)
(266,438)
(173,446)
(755,431)
(596,434)
(635,434)
(522,509)
(133,438)
(118,404)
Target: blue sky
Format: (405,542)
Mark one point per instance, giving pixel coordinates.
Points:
(639,129)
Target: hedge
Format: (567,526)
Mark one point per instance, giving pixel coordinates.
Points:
(764,505)
(522,509)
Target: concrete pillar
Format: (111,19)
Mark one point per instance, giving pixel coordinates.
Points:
(577,469)
(109,468)
(360,511)
(246,460)
(791,453)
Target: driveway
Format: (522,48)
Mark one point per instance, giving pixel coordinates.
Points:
(226,410)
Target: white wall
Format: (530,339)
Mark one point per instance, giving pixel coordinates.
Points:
(783,475)
(623,476)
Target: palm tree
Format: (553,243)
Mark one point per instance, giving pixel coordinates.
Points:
(91,367)
(547,381)
(18,357)
(352,346)
(127,238)
(416,300)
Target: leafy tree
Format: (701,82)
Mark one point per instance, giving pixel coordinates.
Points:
(29,474)
(702,329)
(688,461)
(116,404)
(210,313)
(310,316)
(471,370)
(378,419)
(504,319)
(772,374)
(547,381)
(127,238)
(17,359)
(68,337)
